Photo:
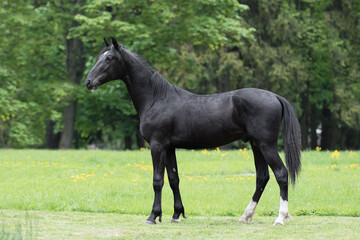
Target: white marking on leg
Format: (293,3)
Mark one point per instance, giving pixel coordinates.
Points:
(249,212)
(283,213)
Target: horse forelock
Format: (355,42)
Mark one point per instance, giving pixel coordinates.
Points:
(105,49)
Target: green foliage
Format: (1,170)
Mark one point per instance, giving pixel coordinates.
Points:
(308,51)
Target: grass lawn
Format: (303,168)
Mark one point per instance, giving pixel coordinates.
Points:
(74,225)
(216,186)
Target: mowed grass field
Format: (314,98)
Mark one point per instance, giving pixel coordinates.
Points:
(216,187)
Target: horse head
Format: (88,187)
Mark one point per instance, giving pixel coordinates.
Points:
(109,66)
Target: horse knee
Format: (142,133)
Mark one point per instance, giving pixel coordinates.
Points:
(158,183)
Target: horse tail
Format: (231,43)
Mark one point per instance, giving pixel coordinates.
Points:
(292,139)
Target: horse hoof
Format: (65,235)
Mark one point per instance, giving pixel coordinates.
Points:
(244,220)
(175,220)
(150,222)
(278,223)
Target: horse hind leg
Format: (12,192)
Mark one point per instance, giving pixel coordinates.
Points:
(272,157)
(172,172)
(262,177)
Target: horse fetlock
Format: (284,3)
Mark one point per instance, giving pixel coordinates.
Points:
(153,216)
(177,213)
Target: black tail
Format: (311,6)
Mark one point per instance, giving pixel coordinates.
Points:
(292,139)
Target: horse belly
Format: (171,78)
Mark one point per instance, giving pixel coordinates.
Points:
(206,133)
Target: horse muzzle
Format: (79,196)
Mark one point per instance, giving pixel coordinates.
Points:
(89,85)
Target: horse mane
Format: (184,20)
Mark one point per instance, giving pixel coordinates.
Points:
(159,84)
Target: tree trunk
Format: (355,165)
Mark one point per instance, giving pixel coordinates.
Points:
(128,142)
(304,120)
(313,127)
(326,134)
(68,130)
(75,64)
(52,139)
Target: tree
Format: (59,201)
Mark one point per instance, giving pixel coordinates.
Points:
(160,31)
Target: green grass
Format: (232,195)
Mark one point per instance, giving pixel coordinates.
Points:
(95,194)
(212,183)
(17,224)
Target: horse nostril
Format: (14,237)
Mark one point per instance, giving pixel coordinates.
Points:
(88,84)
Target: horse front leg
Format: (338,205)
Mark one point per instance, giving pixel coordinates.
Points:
(158,154)
(173,175)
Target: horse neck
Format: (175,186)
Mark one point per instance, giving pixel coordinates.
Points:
(144,90)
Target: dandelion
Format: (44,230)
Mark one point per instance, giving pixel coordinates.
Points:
(143,149)
(335,154)
(318,149)
(105,174)
(353,165)
(205,151)
(111,173)
(217,150)
(134,180)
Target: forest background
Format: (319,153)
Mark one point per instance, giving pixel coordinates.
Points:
(305,50)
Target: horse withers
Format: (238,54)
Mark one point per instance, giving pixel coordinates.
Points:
(171,118)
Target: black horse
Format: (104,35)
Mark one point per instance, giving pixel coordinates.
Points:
(171,117)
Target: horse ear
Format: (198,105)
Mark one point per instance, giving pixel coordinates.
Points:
(106,42)
(114,42)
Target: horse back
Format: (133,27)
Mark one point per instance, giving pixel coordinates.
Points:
(204,121)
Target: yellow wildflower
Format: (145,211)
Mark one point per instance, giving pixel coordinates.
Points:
(335,154)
